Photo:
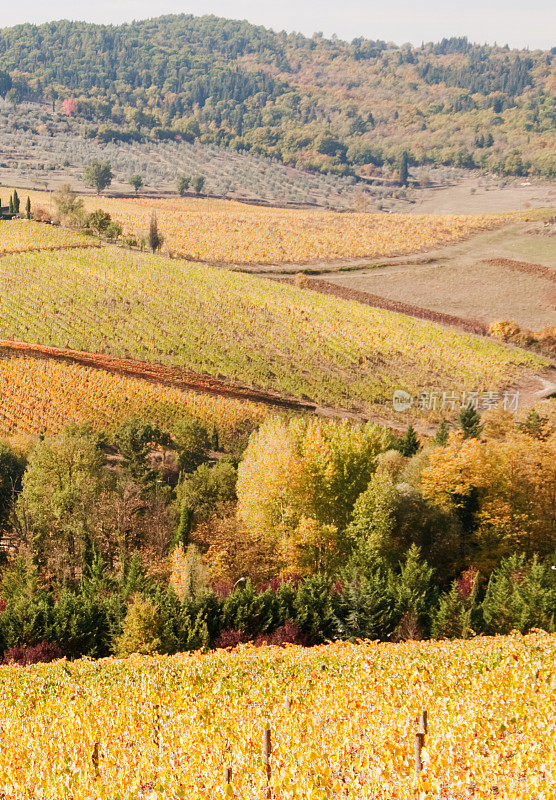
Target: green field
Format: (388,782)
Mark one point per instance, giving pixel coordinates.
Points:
(239,327)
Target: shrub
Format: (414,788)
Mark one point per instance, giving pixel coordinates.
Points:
(229,637)
(288,633)
(41,214)
(142,629)
(24,655)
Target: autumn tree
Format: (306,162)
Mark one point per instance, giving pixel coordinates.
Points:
(98,174)
(298,482)
(136,181)
(502,492)
(57,501)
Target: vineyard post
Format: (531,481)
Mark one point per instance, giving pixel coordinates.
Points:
(267,750)
(95,759)
(420,741)
(423,720)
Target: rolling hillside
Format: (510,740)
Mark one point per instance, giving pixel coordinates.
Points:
(236,327)
(331,106)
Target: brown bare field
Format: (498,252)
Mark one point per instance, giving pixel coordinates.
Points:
(475,282)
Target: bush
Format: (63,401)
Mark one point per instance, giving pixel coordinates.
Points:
(229,637)
(288,633)
(24,655)
(142,630)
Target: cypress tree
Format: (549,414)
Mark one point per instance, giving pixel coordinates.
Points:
(181,535)
(28,208)
(16,202)
(404,169)
(11,208)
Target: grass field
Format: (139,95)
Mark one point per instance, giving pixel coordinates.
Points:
(19,236)
(46,395)
(166,727)
(227,232)
(238,327)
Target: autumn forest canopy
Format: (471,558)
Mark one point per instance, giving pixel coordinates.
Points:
(344,107)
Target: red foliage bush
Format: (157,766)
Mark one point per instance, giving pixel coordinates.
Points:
(32,654)
(229,637)
(288,633)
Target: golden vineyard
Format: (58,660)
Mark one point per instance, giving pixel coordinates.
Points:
(229,232)
(47,395)
(342,720)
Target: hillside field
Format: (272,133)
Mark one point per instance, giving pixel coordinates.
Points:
(233,233)
(166,727)
(506,273)
(44,394)
(19,236)
(238,327)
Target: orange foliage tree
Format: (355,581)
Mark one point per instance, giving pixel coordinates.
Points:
(504,491)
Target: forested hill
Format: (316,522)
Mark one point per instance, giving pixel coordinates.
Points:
(316,103)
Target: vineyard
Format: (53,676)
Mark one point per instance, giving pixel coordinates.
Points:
(228,232)
(47,395)
(341,717)
(21,236)
(236,327)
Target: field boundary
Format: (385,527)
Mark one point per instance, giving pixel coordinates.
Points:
(52,248)
(526,267)
(155,373)
(377,301)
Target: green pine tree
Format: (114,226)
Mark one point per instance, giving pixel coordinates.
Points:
(409,444)
(16,202)
(469,420)
(456,614)
(28,208)
(442,433)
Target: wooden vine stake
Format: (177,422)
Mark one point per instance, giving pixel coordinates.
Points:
(420,742)
(95,760)
(267,750)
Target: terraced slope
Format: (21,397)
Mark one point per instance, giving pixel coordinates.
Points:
(237,327)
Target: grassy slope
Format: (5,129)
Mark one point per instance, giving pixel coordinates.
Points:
(236,326)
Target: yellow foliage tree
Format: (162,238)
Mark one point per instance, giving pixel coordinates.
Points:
(298,482)
(512,484)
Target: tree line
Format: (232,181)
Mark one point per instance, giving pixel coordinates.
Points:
(140,538)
